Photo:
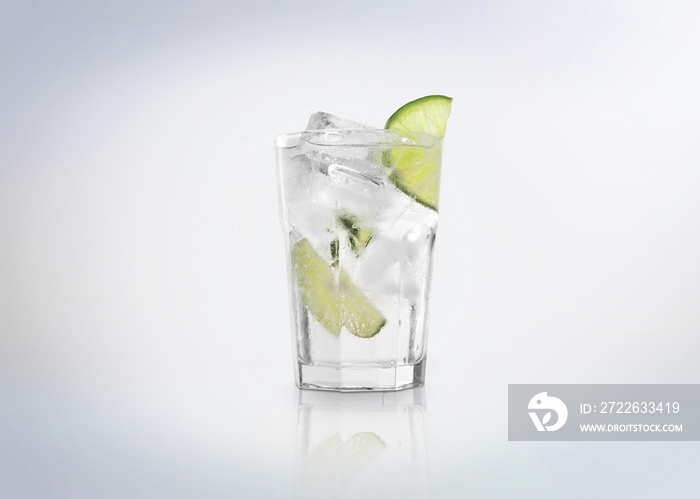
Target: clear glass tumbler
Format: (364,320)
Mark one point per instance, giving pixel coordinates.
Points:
(359,254)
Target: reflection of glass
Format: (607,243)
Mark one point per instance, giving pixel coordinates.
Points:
(361,444)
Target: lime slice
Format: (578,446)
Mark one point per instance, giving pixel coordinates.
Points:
(331,296)
(417,170)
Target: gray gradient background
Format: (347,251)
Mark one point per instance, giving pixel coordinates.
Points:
(144,335)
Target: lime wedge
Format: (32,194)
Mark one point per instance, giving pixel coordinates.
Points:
(417,170)
(360,316)
(317,285)
(331,296)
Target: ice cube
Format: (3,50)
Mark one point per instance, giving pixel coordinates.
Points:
(341,173)
(343,138)
(335,133)
(323,121)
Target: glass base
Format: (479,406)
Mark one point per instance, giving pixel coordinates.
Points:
(354,379)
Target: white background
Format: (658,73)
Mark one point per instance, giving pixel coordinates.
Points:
(144,331)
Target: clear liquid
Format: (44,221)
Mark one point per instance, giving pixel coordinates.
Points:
(390,260)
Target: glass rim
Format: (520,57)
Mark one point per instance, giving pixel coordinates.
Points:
(424,140)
